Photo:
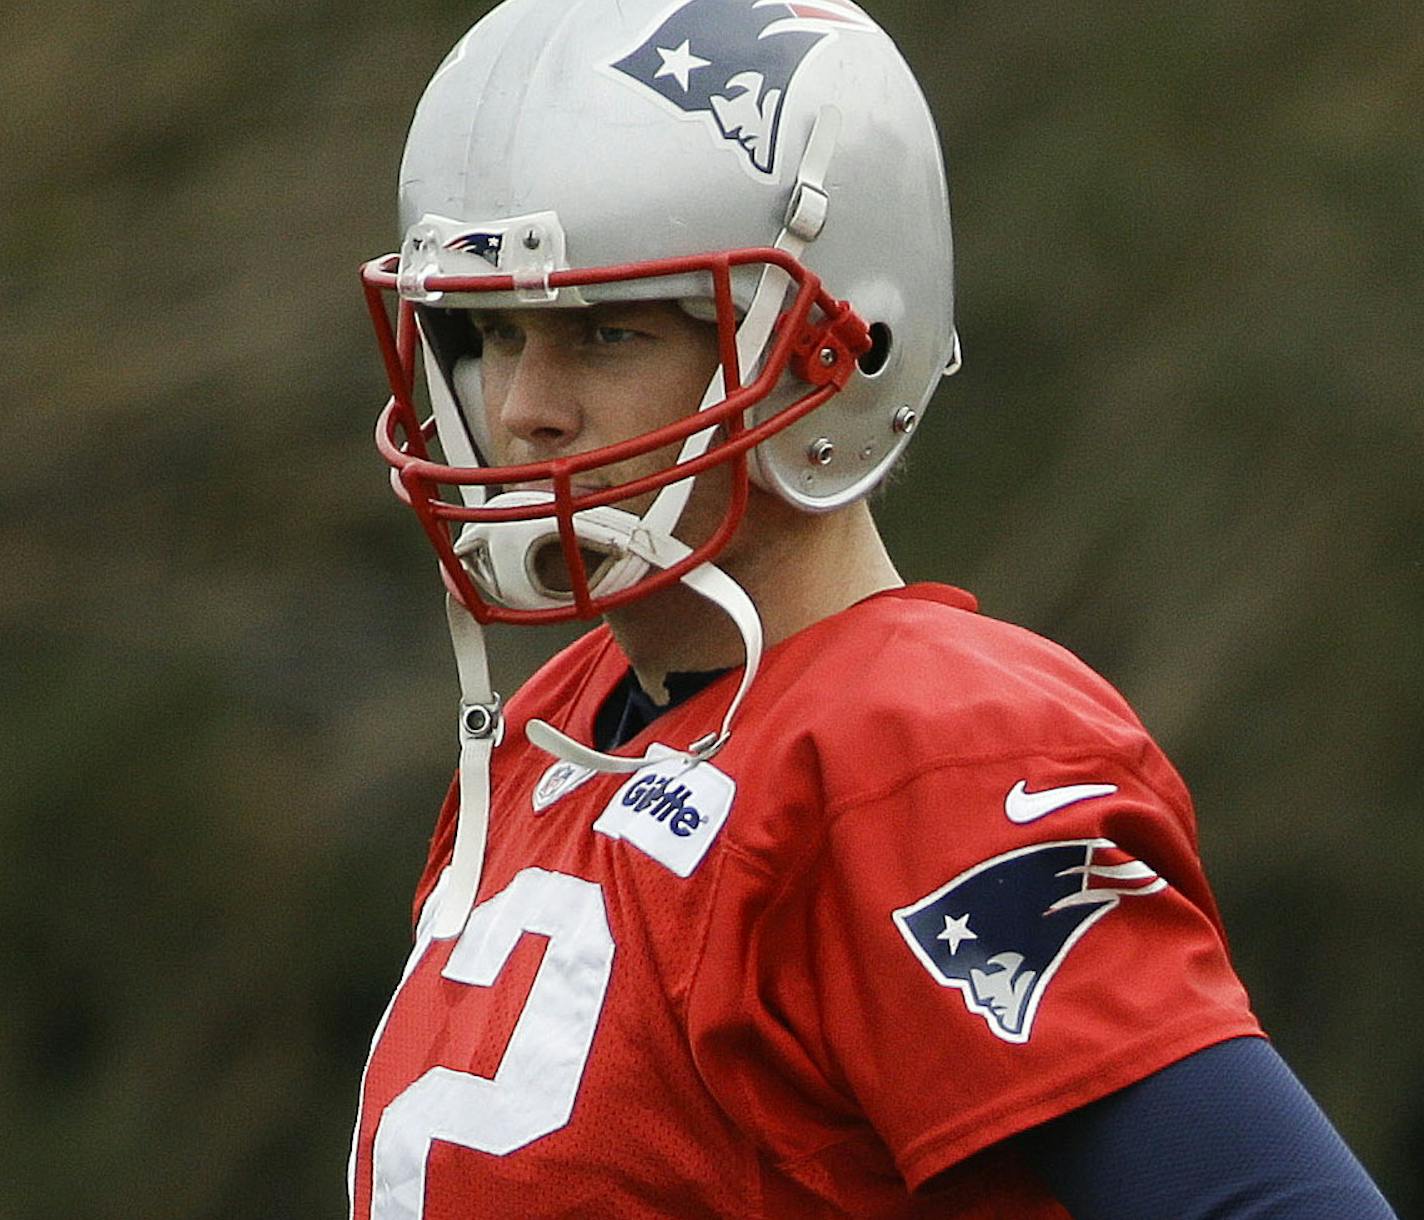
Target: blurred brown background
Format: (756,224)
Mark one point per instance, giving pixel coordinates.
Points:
(1187,444)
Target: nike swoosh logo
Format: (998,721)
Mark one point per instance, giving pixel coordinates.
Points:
(1022,806)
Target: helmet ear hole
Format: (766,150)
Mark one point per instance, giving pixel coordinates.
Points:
(873,363)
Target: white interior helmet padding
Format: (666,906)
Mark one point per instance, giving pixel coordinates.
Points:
(455,439)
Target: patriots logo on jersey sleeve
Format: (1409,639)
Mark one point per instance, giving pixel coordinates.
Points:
(999,931)
(733,60)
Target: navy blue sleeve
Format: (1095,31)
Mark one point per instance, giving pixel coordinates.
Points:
(1225,1134)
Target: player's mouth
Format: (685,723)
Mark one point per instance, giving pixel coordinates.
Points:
(550,568)
(547,485)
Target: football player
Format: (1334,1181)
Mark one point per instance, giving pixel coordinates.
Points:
(787,890)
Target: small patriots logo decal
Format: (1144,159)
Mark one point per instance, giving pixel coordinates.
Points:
(732,62)
(999,932)
(486,245)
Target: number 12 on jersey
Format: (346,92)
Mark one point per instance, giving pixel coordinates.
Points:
(532,1091)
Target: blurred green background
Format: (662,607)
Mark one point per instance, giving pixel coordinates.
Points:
(1187,444)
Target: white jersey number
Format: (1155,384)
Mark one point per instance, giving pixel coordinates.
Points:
(532,1092)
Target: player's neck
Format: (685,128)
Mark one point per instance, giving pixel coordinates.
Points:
(797,569)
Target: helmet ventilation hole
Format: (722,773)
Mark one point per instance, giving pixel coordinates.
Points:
(873,363)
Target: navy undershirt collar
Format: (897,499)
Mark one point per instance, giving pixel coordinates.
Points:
(629,709)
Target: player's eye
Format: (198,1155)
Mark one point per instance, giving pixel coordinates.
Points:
(611,336)
(499,333)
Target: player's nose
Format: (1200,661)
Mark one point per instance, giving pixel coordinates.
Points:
(539,404)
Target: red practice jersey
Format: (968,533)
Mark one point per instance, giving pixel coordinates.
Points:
(940,887)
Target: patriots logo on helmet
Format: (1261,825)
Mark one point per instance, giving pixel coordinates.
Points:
(733,61)
(486,245)
(999,931)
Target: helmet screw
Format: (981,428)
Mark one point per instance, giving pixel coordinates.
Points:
(821,452)
(532,239)
(827,357)
(906,421)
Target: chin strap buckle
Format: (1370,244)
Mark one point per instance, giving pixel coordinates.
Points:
(825,353)
(482,721)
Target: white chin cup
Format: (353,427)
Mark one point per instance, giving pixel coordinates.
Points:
(502,556)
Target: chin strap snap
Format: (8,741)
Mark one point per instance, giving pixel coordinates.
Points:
(481,728)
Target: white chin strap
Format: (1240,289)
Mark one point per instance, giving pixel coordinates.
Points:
(482,721)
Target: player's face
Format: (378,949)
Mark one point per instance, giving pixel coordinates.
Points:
(560,382)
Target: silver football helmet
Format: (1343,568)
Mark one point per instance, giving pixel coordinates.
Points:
(770,165)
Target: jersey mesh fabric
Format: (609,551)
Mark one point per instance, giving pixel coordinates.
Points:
(769,1044)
